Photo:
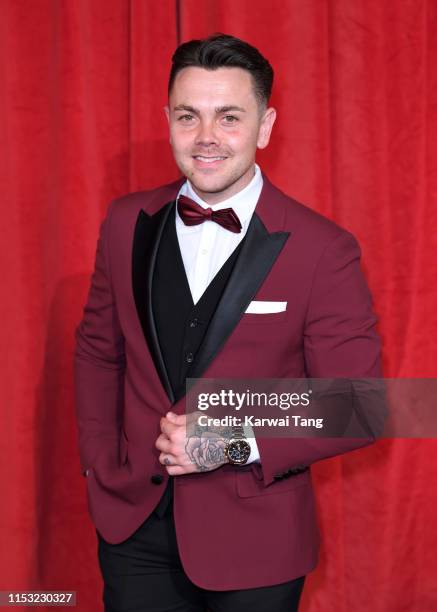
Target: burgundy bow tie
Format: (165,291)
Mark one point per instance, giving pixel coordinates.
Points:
(192,213)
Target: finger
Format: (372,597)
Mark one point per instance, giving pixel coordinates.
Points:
(180,470)
(185,422)
(167,460)
(183,419)
(176,419)
(163,444)
(175,456)
(167,427)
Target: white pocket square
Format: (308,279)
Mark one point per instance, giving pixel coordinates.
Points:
(257,307)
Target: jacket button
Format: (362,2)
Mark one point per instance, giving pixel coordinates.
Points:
(189,357)
(157,479)
(194,322)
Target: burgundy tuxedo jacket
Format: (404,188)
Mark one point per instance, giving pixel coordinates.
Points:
(236,527)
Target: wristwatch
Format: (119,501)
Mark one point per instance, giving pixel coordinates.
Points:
(237,449)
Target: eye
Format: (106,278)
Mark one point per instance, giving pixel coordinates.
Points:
(185,118)
(230,119)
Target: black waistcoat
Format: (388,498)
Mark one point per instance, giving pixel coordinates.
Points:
(181,324)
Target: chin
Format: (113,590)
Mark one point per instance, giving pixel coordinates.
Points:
(209,186)
(206,182)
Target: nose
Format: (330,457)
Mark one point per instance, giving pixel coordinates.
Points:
(207,134)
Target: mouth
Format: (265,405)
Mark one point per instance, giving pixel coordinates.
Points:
(203,160)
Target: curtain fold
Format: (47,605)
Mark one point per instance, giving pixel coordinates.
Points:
(82,90)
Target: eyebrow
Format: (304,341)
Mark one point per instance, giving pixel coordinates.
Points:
(218,110)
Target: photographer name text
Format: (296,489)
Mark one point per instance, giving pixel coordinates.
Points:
(252,421)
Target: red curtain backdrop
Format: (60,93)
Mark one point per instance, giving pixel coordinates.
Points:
(82,87)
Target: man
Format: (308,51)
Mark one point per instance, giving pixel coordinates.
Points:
(218,275)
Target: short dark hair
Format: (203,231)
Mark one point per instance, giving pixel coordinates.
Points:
(221,50)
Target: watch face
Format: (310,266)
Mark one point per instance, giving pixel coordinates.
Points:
(238,451)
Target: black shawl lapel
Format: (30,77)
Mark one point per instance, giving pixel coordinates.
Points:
(147,235)
(258,254)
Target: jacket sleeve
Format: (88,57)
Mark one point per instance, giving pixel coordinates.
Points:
(340,341)
(99,362)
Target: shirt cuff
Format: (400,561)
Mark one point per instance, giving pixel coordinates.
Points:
(254,452)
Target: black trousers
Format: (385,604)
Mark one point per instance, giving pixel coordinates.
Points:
(144,574)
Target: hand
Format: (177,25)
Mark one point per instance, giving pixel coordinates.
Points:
(186,449)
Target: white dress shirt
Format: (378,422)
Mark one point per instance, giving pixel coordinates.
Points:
(207,246)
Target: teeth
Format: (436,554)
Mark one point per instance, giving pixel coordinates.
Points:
(208,159)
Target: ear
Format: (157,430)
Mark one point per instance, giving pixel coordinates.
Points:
(167,114)
(266,126)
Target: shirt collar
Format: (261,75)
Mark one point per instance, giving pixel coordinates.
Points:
(243,202)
